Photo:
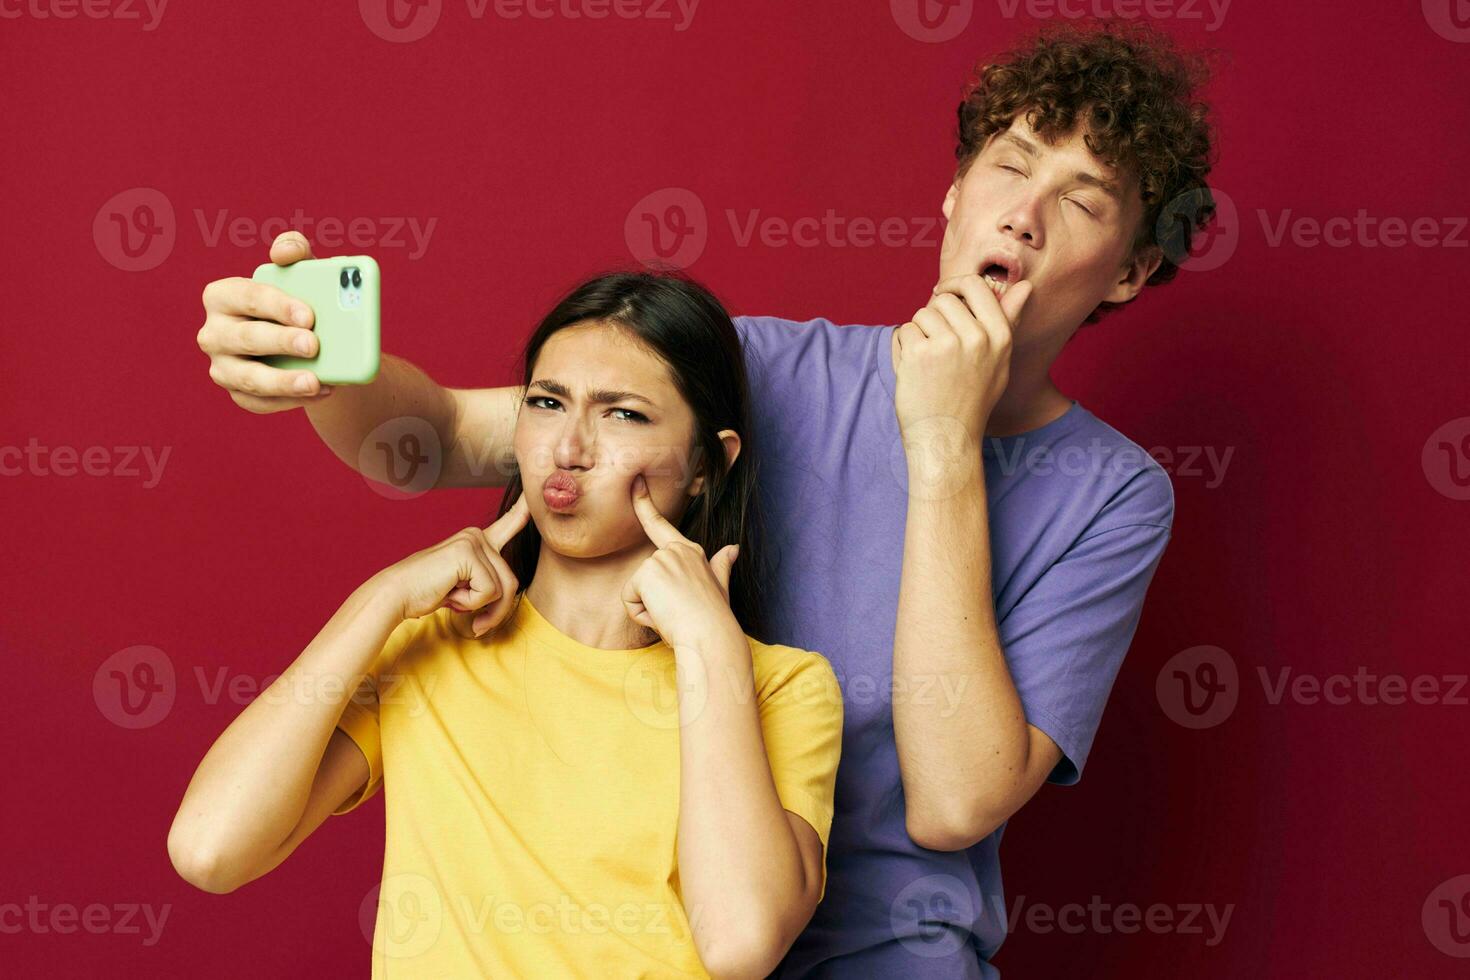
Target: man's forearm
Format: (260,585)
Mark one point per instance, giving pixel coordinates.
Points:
(962,750)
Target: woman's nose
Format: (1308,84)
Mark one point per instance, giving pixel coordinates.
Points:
(575,444)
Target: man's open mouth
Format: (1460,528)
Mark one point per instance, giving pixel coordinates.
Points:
(997,278)
(1000,271)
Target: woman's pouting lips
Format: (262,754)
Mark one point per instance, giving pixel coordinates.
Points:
(560,491)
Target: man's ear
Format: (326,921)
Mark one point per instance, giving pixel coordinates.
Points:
(1134,275)
(949,198)
(730,439)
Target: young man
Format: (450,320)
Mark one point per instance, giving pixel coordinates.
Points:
(968,547)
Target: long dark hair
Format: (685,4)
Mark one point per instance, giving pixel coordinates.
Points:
(686,326)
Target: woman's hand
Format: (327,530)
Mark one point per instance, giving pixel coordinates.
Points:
(464,572)
(244,319)
(676,591)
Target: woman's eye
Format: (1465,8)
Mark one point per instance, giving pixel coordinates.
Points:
(1011,169)
(535,400)
(1081,205)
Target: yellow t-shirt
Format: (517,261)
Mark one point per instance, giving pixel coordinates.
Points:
(532,795)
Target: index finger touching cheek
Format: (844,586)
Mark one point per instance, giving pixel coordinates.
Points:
(509,524)
(659,530)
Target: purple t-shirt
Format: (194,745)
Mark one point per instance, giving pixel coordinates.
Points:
(1079,518)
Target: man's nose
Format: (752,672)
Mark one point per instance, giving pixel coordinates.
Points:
(1022,220)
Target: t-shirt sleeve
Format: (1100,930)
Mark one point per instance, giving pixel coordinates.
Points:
(763,336)
(359,719)
(1065,641)
(801,723)
(773,348)
(779,351)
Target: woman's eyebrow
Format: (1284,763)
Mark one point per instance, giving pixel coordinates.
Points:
(598,396)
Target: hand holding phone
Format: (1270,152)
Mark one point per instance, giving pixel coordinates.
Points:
(244,319)
(343,294)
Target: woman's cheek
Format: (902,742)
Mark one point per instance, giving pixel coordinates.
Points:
(534,453)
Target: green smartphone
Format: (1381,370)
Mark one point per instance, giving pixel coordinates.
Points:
(343,293)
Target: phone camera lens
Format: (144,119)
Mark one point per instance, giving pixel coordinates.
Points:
(356,278)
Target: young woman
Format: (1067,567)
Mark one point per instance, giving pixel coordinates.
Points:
(604,774)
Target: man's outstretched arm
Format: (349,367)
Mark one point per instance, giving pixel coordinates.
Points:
(244,319)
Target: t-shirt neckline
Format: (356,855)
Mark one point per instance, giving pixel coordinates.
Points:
(529,620)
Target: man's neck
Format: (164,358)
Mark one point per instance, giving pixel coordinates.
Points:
(1031,400)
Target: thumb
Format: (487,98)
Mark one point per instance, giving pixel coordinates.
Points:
(722,563)
(1014,299)
(290,246)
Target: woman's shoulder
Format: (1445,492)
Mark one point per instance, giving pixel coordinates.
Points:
(412,639)
(777,665)
(796,687)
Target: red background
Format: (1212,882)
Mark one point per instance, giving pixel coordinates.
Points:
(1326,548)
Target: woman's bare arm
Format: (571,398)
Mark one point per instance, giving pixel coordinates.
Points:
(281,768)
(751,871)
(466,433)
(341,775)
(278,770)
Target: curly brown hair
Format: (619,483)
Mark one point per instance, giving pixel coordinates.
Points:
(1136,93)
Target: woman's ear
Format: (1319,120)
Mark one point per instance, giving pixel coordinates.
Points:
(730,439)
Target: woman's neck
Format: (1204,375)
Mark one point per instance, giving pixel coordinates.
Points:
(583,597)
